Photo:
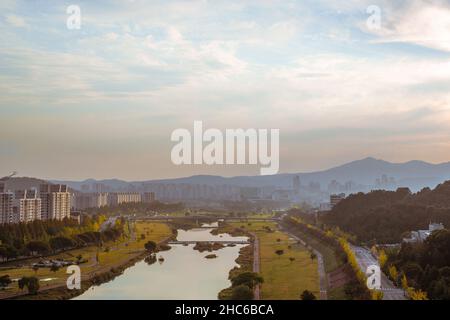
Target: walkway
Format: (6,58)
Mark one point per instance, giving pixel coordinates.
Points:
(256,264)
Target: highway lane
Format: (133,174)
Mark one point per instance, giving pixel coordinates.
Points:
(365,259)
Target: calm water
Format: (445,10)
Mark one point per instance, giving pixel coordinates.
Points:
(184,274)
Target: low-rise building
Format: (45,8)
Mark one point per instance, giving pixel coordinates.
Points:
(421,235)
(90,200)
(148,197)
(336,198)
(117,198)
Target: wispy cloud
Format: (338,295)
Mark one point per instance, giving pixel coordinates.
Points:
(137,70)
(15,21)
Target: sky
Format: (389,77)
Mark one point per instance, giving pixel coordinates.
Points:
(102,101)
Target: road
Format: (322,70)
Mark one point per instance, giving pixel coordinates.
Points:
(256,265)
(365,258)
(108,223)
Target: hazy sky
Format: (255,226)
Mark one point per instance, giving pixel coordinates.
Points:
(103,100)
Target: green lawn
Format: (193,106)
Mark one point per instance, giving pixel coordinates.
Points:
(283,279)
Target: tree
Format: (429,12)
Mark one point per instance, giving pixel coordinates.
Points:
(404,282)
(291,259)
(5,281)
(3,253)
(307,295)
(54,268)
(61,243)
(312,255)
(382,258)
(242,292)
(417,294)
(150,246)
(32,284)
(377,295)
(250,279)
(279,252)
(38,247)
(11,252)
(393,273)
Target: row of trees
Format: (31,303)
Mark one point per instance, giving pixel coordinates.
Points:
(137,208)
(45,237)
(31,283)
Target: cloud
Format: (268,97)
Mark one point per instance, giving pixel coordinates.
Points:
(133,74)
(16,21)
(421,22)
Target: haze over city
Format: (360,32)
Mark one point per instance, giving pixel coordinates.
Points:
(102,101)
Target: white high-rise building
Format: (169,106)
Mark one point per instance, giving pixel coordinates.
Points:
(26,206)
(6,199)
(55,201)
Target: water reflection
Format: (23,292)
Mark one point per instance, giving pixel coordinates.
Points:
(184,273)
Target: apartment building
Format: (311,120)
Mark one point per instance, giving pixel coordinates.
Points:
(117,198)
(55,201)
(6,199)
(148,197)
(90,200)
(26,206)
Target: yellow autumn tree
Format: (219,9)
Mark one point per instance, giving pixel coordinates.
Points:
(416,294)
(393,273)
(404,282)
(382,258)
(377,294)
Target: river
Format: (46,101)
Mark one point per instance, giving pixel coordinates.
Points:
(185,273)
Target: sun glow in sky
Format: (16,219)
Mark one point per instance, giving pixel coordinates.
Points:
(102,101)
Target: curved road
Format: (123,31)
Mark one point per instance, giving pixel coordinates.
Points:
(365,258)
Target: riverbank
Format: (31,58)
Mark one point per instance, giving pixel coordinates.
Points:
(245,262)
(180,273)
(103,264)
(285,264)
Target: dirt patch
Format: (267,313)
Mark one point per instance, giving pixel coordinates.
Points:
(339,277)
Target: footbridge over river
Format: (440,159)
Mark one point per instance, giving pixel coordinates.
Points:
(209,241)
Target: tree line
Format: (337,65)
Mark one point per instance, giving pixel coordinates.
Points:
(51,236)
(387,216)
(136,208)
(423,266)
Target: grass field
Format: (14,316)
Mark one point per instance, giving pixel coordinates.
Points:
(283,278)
(331,262)
(118,253)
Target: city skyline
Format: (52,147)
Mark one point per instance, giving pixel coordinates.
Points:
(102,101)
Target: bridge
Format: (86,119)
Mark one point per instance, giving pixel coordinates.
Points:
(212,218)
(209,241)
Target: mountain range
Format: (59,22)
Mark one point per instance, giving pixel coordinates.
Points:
(413,174)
